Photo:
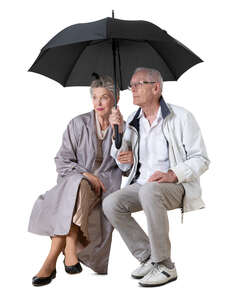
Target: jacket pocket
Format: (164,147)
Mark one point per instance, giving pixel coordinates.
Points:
(183,152)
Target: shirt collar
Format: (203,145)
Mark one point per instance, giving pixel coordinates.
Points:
(159,114)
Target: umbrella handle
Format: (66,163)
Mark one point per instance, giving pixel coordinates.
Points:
(118,137)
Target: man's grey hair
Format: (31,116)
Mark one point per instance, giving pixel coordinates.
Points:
(153,75)
(106,82)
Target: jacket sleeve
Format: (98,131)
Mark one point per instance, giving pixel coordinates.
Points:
(197,161)
(114,153)
(66,158)
(125,168)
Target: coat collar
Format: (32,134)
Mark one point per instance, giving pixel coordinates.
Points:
(165,111)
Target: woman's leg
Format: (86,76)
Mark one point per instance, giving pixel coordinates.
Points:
(57,244)
(67,243)
(71,246)
(78,231)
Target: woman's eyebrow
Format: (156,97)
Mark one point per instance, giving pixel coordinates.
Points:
(102,95)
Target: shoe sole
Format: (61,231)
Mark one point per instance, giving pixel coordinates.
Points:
(73,273)
(159,284)
(137,277)
(34,284)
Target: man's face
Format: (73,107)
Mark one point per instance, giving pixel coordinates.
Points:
(142,94)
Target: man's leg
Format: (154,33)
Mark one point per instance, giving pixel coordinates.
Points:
(118,207)
(156,198)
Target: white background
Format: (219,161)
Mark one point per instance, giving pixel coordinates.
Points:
(35,111)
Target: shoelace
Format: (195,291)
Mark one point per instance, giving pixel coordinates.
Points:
(155,269)
(143,264)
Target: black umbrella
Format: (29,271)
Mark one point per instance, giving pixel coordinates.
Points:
(113,47)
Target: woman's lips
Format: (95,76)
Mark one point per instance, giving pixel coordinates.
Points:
(100,108)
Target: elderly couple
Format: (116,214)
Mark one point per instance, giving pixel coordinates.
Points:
(162,153)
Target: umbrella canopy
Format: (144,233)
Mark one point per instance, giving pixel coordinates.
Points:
(76,52)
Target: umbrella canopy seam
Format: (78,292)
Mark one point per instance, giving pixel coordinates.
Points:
(165,61)
(70,72)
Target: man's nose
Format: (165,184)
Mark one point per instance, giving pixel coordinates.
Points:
(134,88)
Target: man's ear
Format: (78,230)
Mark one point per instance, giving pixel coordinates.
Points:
(156,89)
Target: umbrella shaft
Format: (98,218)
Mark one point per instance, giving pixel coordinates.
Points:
(114,70)
(118,136)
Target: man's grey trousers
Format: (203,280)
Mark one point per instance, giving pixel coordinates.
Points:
(155,199)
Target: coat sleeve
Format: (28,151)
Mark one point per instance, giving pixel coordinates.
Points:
(197,161)
(66,158)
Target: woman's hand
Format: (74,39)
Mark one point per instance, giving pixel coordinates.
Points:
(116,118)
(125,157)
(96,183)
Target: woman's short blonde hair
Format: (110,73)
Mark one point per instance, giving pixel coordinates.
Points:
(106,82)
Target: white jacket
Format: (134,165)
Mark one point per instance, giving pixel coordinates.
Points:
(187,152)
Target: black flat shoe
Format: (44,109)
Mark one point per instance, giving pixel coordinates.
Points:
(39,281)
(73,269)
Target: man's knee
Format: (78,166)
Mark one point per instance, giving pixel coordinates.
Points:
(150,193)
(109,204)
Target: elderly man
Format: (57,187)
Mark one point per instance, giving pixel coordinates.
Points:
(163,149)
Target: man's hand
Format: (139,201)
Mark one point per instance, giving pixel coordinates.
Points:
(116,118)
(159,176)
(125,157)
(96,183)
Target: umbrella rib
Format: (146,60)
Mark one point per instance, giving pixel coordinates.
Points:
(70,72)
(165,61)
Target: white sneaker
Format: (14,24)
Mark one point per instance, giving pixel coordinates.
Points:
(159,275)
(142,270)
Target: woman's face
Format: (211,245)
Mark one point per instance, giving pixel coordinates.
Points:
(103,101)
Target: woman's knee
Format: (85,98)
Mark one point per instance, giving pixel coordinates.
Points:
(84,184)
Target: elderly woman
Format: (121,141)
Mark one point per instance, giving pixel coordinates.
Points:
(70,213)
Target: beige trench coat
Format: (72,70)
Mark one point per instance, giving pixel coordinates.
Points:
(52,212)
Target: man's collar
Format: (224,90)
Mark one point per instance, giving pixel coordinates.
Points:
(159,114)
(164,109)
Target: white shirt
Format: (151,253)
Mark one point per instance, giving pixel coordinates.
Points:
(153,153)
